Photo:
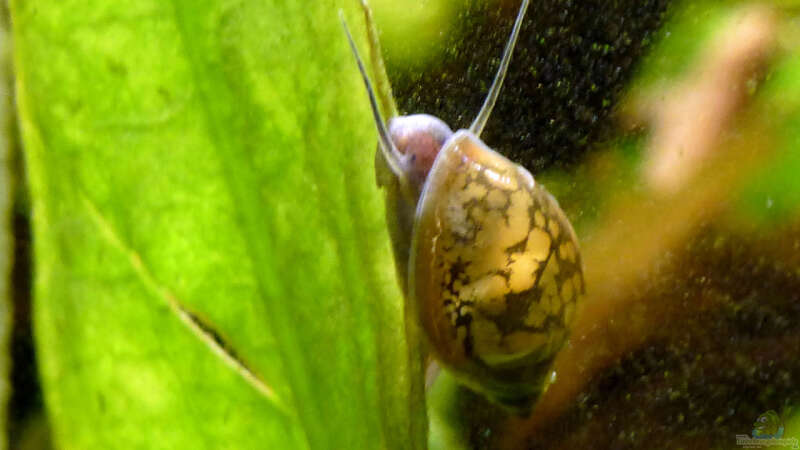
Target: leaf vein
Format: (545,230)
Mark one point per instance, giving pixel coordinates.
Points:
(182,312)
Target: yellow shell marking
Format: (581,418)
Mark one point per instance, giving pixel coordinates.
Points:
(496,270)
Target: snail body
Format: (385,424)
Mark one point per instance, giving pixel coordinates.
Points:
(490,263)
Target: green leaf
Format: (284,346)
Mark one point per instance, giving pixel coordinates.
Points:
(212,263)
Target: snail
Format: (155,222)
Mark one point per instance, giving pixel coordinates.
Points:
(490,263)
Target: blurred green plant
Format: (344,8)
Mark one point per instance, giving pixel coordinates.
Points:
(414,32)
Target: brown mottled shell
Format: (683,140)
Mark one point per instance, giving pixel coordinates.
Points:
(494,270)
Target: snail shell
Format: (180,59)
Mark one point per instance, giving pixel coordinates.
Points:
(494,270)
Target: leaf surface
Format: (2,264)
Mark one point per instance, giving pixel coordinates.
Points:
(212,263)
